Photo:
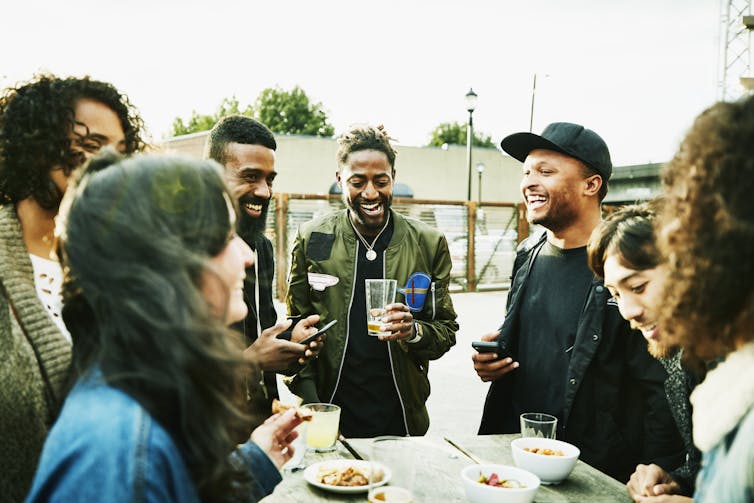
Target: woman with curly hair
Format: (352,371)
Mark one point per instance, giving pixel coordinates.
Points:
(154,265)
(48,126)
(706,230)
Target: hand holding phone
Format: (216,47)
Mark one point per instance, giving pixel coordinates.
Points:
(319,332)
(492,347)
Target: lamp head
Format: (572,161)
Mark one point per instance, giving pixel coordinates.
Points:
(471,97)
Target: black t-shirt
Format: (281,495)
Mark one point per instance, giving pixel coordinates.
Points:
(366,391)
(551,306)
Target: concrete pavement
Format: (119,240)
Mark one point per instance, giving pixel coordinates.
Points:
(457,398)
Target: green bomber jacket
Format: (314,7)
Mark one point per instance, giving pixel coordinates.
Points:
(323,268)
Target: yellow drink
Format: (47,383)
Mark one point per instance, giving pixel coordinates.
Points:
(376,328)
(322,431)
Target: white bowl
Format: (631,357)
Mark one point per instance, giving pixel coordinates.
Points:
(476,492)
(550,469)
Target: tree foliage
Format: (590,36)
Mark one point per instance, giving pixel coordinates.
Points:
(286,112)
(203,122)
(291,112)
(454,133)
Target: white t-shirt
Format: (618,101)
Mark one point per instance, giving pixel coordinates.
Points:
(48,278)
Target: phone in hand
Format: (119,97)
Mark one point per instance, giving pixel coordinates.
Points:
(492,347)
(319,332)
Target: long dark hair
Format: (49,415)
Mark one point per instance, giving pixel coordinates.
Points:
(136,237)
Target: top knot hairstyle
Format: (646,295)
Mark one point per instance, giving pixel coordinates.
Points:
(137,234)
(36,119)
(365,137)
(706,230)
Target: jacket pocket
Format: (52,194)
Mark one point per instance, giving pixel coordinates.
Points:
(418,381)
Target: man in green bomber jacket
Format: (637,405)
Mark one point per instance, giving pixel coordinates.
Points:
(380,382)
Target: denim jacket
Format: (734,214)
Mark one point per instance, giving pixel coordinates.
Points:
(724,430)
(106,447)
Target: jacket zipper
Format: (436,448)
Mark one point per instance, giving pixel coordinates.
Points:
(390,359)
(348,323)
(434,312)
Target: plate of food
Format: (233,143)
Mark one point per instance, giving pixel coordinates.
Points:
(345,475)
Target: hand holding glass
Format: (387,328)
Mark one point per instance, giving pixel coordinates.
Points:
(379,293)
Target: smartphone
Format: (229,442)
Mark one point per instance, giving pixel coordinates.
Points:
(318,332)
(492,347)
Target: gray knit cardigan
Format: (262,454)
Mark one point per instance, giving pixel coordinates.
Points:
(34,360)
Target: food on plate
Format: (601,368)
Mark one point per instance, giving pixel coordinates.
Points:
(495,481)
(544,452)
(279,407)
(349,476)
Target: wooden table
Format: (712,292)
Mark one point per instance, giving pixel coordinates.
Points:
(438,476)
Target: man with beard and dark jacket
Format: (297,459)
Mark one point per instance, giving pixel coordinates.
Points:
(574,356)
(246,148)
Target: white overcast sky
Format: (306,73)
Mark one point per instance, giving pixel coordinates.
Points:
(635,71)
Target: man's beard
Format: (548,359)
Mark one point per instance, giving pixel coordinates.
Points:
(660,349)
(368,226)
(560,215)
(247,225)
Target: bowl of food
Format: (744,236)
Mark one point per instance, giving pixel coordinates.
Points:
(499,484)
(551,460)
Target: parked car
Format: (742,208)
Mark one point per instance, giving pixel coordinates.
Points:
(493,258)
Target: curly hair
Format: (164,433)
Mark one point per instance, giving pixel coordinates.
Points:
(136,237)
(706,230)
(628,233)
(237,129)
(365,137)
(36,119)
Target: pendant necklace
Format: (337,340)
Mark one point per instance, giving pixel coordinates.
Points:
(371,254)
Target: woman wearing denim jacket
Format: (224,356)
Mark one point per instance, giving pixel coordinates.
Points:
(154,273)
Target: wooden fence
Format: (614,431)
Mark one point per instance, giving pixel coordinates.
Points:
(482,237)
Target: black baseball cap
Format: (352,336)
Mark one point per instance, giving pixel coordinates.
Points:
(567,138)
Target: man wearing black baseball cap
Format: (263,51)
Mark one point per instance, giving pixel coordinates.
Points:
(574,356)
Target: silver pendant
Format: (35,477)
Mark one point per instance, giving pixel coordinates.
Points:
(371,255)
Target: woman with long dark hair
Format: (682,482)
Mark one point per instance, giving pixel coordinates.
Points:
(154,275)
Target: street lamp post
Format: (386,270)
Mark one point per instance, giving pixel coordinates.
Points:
(480,170)
(470,105)
(533,93)
(531,114)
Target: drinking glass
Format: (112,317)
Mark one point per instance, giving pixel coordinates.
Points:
(322,430)
(398,456)
(537,424)
(379,293)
